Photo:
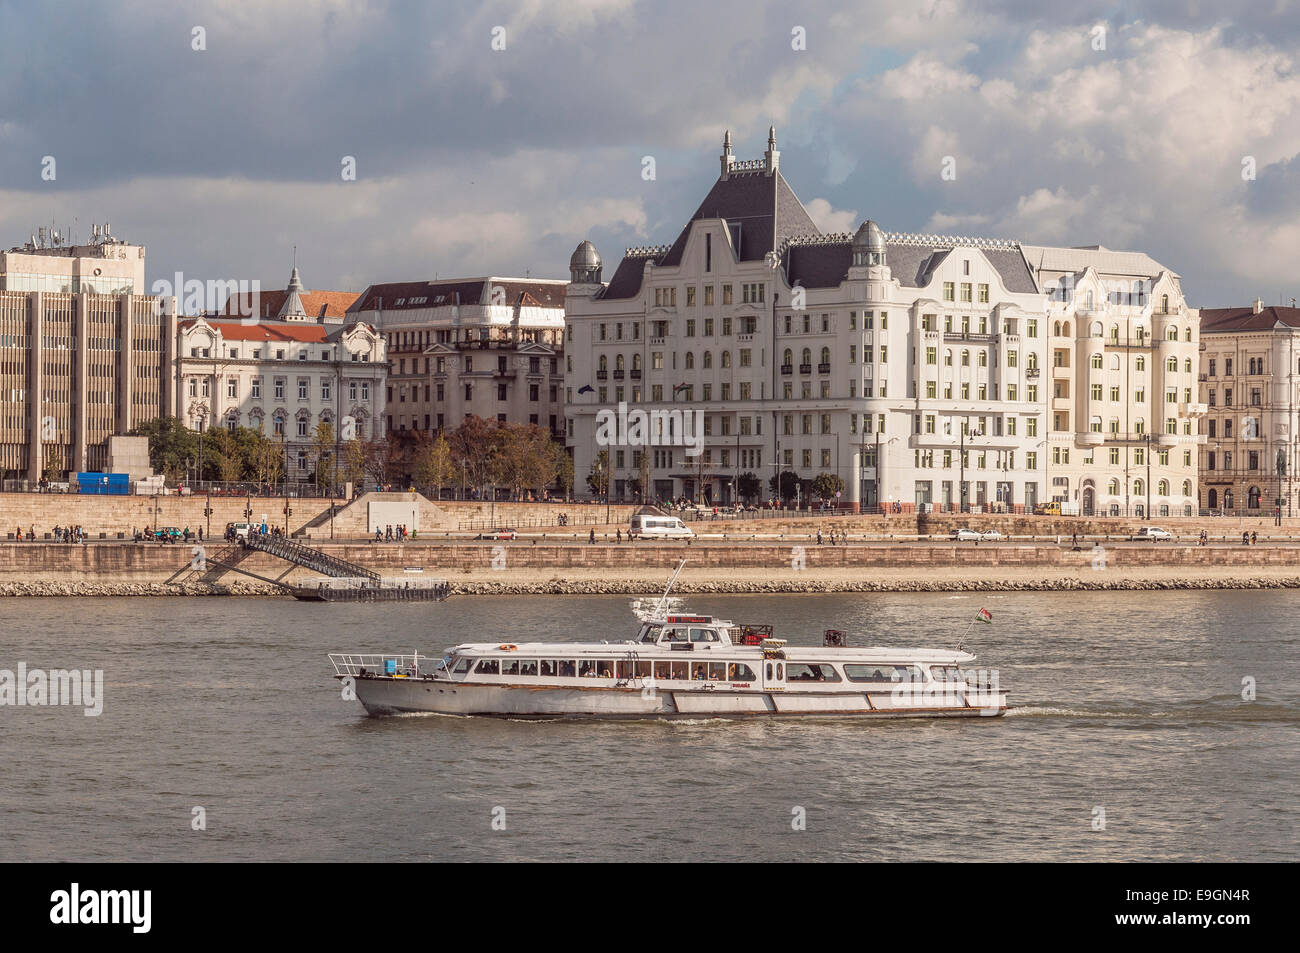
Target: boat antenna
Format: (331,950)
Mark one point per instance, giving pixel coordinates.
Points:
(663,602)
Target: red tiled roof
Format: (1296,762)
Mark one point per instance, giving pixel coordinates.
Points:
(269,303)
(1223,320)
(265,331)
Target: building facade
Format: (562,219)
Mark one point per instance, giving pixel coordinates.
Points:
(283,373)
(489,347)
(82,355)
(1122,402)
(909,366)
(1250,385)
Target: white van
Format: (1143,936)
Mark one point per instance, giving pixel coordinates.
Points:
(660,527)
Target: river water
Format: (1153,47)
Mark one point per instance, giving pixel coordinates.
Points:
(1131,739)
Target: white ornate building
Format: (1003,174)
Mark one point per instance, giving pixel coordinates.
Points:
(910,366)
(489,347)
(1123,400)
(283,370)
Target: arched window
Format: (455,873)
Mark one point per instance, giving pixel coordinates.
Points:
(1114,332)
(1138,486)
(690,360)
(1227,499)
(1162,488)
(983,359)
(826,355)
(1095,330)
(1065,329)
(1187,488)
(1171,334)
(1164,304)
(1140,425)
(1114,362)
(726,358)
(1096,361)
(604,363)
(965,358)
(1187,366)
(806,357)
(1056,329)
(1213,499)
(618,362)
(708,360)
(1033,360)
(1140,363)
(1171,365)
(787,358)
(1113,487)
(1252,500)
(1088,303)
(947,357)
(636,361)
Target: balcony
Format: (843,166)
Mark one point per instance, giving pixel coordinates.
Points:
(619,374)
(1032,373)
(1168,440)
(805,368)
(787,369)
(1143,342)
(1090,439)
(602,375)
(635,373)
(823,368)
(1195,409)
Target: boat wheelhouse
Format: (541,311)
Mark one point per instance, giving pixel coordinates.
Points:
(678,665)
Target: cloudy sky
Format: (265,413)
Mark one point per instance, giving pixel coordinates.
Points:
(1135,126)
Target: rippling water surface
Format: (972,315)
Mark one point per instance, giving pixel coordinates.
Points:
(1127,702)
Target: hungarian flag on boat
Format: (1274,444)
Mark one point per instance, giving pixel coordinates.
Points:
(984,616)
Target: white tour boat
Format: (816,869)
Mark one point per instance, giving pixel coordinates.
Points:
(679,665)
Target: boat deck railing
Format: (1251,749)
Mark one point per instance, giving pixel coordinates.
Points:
(375,582)
(410,666)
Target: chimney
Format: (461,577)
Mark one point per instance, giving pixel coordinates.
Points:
(772,157)
(1258,306)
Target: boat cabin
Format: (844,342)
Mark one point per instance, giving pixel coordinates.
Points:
(685,629)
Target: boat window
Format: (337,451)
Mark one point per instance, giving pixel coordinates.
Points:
(681,670)
(488,666)
(812,672)
(549,668)
(605,668)
(510,667)
(945,673)
(663,670)
(528,667)
(586,669)
(568,668)
(739,672)
(717,671)
(769,671)
(672,634)
(462,666)
(703,635)
(700,672)
(882,673)
(651,633)
(780,671)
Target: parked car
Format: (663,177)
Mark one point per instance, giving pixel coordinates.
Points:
(238,530)
(1153,533)
(499,533)
(168,534)
(966,534)
(1048,509)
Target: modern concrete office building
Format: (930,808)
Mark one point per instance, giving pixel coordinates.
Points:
(83,354)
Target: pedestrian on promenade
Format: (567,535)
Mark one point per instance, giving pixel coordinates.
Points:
(1245,539)
(1252,538)
(200,534)
(591,537)
(618,534)
(819,537)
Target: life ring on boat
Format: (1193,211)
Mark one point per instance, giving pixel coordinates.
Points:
(508,648)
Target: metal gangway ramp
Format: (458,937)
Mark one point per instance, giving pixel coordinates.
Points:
(305,556)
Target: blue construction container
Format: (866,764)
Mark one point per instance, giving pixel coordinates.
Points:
(104,484)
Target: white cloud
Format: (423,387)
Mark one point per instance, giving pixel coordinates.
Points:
(830,219)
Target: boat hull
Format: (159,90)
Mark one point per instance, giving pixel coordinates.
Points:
(388,696)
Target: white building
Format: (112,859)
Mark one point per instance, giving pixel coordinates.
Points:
(284,373)
(1124,400)
(488,347)
(813,353)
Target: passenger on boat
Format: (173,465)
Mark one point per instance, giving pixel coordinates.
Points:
(587,670)
(700,673)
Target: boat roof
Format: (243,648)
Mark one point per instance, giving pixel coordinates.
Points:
(795,653)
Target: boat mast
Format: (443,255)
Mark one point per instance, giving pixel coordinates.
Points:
(663,602)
